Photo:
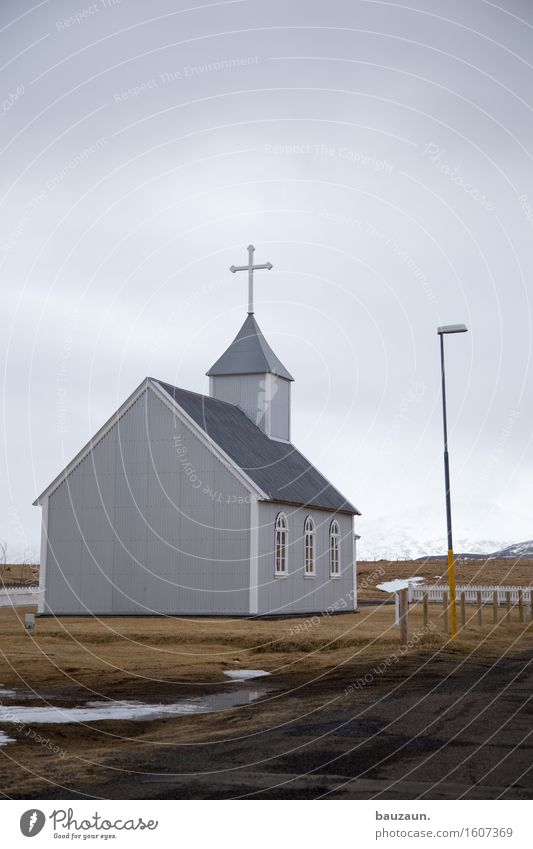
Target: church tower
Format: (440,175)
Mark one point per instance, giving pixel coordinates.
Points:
(250,375)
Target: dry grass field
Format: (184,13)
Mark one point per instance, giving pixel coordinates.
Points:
(125,654)
(18,574)
(123,651)
(493,572)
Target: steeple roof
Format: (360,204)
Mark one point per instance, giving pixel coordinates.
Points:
(249,353)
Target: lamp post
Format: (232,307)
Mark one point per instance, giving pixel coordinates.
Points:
(442,332)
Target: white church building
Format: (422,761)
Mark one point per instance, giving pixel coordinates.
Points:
(188,504)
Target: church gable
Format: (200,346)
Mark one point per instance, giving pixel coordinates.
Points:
(94,446)
(149,521)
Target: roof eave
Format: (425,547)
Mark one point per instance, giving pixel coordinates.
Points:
(349,511)
(214,373)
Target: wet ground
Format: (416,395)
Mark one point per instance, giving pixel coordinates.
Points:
(449,729)
(117,710)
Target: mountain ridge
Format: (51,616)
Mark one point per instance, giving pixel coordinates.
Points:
(516,551)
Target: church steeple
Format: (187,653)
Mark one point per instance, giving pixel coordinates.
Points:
(250,375)
(249,353)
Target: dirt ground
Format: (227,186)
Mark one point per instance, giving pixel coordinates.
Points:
(346,713)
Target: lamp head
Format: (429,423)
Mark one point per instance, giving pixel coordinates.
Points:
(452,328)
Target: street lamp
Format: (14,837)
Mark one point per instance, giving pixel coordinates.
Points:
(442,332)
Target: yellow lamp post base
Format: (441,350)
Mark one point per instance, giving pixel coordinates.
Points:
(451,585)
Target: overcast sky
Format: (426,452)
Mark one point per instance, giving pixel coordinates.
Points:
(378,154)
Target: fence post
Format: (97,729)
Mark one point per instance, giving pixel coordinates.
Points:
(479,608)
(531,603)
(508,606)
(463,610)
(520,605)
(425,603)
(404,614)
(495,607)
(445,607)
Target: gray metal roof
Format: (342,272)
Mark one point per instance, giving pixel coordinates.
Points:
(249,353)
(276,467)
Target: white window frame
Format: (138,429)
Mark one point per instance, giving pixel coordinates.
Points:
(281,544)
(334,550)
(309,548)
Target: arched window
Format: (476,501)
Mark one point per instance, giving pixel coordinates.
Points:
(280,544)
(334,548)
(309,547)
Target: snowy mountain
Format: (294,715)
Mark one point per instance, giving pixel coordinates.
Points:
(401,546)
(421,532)
(516,551)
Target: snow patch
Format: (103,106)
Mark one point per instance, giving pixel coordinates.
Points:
(245,674)
(129,710)
(398,584)
(4,739)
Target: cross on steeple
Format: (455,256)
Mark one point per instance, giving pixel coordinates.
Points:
(250,268)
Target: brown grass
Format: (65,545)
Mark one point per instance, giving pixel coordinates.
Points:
(129,651)
(492,572)
(18,574)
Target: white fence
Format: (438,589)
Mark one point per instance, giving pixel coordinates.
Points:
(19,596)
(435,592)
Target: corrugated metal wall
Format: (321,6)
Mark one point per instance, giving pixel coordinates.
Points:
(149,522)
(243,391)
(296,593)
(265,398)
(280,407)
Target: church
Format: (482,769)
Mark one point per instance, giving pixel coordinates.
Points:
(188,504)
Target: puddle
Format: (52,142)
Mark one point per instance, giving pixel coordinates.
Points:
(130,710)
(4,739)
(22,695)
(245,674)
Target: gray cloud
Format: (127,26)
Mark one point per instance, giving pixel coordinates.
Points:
(379,156)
